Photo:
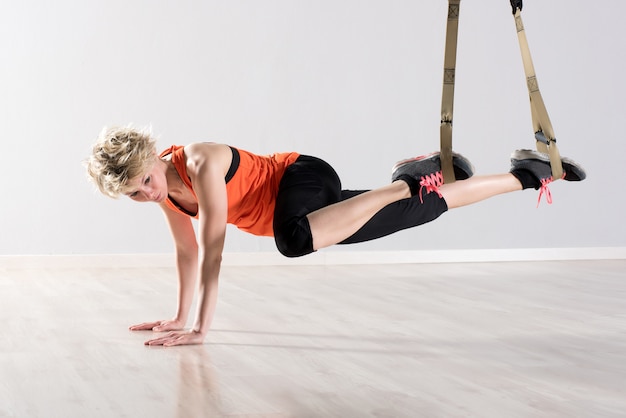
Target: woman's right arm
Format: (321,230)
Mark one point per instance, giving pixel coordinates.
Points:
(187,267)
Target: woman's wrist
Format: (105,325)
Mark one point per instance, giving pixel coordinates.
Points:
(200,328)
(182,321)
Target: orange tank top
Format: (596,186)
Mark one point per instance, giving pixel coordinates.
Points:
(251,189)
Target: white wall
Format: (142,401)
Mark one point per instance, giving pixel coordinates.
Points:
(355,82)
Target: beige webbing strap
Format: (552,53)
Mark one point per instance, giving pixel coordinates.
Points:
(447,99)
(546,141)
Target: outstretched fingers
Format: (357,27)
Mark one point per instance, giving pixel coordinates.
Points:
(145,326)
(169,325)
(177,338)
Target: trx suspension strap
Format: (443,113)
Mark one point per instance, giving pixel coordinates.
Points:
(546,141)
(447,100)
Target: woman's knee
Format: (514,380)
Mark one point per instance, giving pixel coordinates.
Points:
(294,239)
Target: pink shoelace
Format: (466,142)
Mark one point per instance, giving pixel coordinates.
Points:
(432,182)
(545,189)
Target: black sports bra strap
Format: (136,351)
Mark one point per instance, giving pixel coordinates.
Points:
(234,165)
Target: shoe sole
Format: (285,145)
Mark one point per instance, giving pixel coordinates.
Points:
(573,171)
(410,160)
(461,175)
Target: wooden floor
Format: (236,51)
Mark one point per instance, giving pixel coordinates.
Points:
(544,339)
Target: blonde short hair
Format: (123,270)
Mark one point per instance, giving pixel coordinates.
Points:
(120,154)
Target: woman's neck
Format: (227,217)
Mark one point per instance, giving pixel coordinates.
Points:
(175,185)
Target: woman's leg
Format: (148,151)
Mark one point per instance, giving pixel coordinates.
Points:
(475,189)
(310,199)
(419,176)
(312,212)
(390,209)
(336,222)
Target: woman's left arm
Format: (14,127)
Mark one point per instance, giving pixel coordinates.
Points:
(205,168)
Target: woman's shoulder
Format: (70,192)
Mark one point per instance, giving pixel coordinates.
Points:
(202,148)
(202,154)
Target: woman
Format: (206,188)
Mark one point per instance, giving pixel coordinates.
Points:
(295,198)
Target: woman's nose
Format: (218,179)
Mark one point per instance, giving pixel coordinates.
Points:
(151,194)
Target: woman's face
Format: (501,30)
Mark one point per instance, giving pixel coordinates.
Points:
(151,187)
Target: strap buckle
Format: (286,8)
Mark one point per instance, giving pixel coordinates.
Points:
(541,137)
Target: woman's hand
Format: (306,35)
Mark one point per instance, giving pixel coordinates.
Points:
(178,338)
(169,325)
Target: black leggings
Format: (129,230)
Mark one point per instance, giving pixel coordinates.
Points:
(310,184)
